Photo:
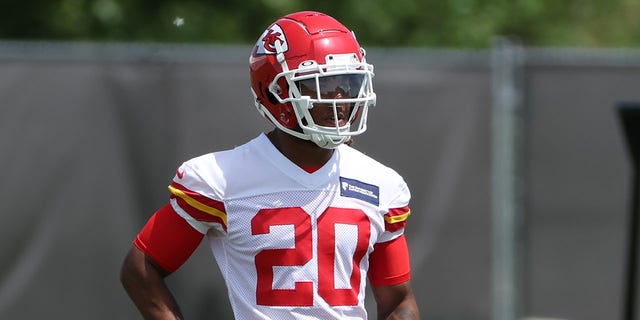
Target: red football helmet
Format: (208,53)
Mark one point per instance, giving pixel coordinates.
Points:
(300,62)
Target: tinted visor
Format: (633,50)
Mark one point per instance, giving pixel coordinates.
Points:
(344,86)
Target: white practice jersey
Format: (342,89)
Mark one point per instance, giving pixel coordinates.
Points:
(291,244)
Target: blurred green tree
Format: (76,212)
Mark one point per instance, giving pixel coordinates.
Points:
(415,23)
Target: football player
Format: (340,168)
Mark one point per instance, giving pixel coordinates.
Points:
(296,219)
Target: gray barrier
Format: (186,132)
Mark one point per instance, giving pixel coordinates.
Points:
(91,134)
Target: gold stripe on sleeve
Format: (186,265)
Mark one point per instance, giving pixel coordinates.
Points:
(198,205)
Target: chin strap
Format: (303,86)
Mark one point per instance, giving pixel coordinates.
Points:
(326,142)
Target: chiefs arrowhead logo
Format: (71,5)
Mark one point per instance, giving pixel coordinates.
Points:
(179,173)
(267,42)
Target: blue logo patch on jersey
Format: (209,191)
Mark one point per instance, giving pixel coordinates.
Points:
(357,189)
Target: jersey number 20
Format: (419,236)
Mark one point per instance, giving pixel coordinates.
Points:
(301,254)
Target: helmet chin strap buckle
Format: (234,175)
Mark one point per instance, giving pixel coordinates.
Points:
(326,142)
(317,138)
(322,141)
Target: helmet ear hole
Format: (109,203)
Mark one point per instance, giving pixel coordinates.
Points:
(277,88)
(271,97)
(265,93)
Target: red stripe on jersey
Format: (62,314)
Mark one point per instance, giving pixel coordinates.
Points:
(168,239)
(198,206)
(200,215)
(389,263)
(396,218)
(200,198)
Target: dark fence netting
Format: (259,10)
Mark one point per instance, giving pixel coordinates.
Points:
(91,135)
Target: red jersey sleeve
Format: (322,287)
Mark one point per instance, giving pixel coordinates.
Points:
(168,239)
(389,262)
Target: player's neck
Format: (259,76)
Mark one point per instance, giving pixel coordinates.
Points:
(303,153)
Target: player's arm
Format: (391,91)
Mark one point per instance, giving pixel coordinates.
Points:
(143,280)
(390,276)
(396,302)
(162,246)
